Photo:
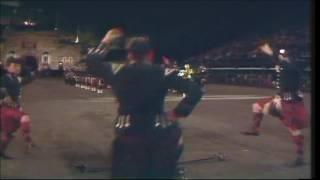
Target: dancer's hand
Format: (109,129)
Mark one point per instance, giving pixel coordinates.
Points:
(266,49)
(111,35)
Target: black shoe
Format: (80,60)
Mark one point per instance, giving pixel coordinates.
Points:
(250,133)
(299,161)
(81,167)
(4,156)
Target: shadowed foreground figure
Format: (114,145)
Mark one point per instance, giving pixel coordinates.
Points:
(148,140)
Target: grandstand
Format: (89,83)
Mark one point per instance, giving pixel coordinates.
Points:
(241,62)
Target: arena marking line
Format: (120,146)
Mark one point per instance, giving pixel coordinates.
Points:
(205,96)
(172,99)
(234,98)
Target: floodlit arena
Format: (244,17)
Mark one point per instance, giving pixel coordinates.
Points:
(165,89)
(73,126)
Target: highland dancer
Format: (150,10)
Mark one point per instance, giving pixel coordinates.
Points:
(287,105)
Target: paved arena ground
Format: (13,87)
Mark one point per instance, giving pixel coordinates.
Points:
(71,124)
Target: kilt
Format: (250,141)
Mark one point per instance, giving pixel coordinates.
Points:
(150,155)
(10,119)
(292,113)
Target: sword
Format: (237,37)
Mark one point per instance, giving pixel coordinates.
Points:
(84,168)
(218,156)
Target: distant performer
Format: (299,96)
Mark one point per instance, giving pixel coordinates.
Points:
(100,86)
(148,141)
(12,115)
(287,105)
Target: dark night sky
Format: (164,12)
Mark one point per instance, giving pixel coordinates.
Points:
(181,28)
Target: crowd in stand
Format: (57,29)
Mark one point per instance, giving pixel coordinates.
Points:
(245,53)
(296,41)
(264,79)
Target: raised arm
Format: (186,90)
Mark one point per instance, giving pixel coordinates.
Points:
(98,67)
(97,59)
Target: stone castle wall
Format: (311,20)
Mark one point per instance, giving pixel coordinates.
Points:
(39,45)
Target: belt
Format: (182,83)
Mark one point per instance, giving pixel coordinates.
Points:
(292,96)
(123,122)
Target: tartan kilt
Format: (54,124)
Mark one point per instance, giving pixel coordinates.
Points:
(294,114)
